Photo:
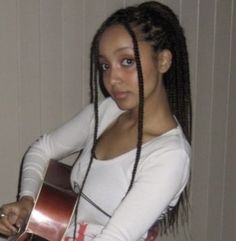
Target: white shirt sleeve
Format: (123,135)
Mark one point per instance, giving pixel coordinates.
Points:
(62,142)
(160,180)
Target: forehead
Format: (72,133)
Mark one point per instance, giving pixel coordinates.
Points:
(117,41)
(115,37)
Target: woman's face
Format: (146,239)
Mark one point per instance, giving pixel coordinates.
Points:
(117,61)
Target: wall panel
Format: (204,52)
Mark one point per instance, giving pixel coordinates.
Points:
(51,62)
(112,6)
(219,118)
(44,81)
(229,217)
(29,79)
(202,119)
(72,61)
(9,97)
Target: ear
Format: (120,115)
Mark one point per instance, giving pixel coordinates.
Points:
(164,60)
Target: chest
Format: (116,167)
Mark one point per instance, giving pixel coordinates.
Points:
(116,140)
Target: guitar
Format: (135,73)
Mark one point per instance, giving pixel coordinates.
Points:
(53,208)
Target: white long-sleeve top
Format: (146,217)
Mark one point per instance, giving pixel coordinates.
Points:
(162,174)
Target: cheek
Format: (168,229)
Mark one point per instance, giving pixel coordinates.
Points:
(151,80)
(132,79)
(106,82)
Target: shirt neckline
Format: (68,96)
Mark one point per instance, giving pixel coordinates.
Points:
(151,141)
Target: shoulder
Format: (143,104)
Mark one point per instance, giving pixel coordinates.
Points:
(171,149)
(173,140)
(108,108)
(107,103)
(167,161)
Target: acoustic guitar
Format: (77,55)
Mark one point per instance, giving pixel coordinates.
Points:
(53,208)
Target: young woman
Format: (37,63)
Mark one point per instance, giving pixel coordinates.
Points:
(136,142)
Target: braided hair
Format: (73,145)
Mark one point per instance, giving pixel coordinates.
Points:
(157,24)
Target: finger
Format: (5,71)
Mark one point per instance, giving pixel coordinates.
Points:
(9,226)
(9,210)
(8,218)
(6,227)
(19,223)
(5,231)
(22,218)
(12,213)
(12,217)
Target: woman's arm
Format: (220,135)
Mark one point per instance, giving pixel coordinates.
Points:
(56,145)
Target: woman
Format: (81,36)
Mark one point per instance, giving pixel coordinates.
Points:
(135,160)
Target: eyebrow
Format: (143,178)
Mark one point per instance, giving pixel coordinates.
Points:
(118,50)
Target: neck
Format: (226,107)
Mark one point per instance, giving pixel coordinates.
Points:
(157,114)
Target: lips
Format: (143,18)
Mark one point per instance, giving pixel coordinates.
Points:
(119,95)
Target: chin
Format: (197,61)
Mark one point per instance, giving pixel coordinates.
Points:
(125,105)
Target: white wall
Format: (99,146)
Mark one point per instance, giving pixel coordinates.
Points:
(44,55)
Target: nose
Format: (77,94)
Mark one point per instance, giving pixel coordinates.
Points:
(114,76)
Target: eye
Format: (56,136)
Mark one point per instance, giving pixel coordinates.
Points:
(127,62)
(103,66)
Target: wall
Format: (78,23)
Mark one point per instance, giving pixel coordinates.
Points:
(44,50)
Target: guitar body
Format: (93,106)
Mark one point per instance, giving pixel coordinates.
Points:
(53,208)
